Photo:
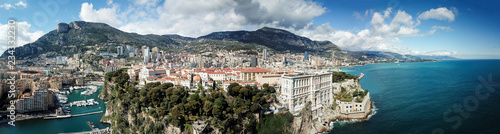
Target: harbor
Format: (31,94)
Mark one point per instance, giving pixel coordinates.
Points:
(76,122)
(89,102)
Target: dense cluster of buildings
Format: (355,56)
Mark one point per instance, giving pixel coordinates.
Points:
(298,78)
(39,99)
(35,89)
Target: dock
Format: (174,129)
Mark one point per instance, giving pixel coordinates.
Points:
(68,116)
(95,131)
(56,117)
(361,75)
(87,113)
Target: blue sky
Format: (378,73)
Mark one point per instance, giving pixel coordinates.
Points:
(464,29)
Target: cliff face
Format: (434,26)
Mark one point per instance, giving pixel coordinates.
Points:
(68,39)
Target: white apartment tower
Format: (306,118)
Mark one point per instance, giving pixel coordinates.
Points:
(146,55)
(131,51)
(119,50)
(265,54)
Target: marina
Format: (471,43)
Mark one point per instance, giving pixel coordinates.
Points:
(76,123)
(89,102)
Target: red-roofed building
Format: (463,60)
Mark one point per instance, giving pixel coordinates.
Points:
(197,79)
(254,83)
(231,76)
(161,80)
(218,76)
(185,83)
(250,74)
(227,83)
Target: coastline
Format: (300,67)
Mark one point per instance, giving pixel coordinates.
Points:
(323,123)
(360,65)
(355,117)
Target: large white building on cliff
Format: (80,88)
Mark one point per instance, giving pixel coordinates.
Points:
(299,88)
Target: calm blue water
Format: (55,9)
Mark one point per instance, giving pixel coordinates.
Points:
(414,97)
(73,124)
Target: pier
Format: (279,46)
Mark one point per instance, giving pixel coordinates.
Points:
(95,131)
(69,115)
(87,113)
(361,75)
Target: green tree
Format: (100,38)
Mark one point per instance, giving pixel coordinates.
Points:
(192,106)
(265,85)
(355,93)
(207,107)
(245,91)
(218,107)
(175,115)
(203,93)
(200,86)
(214,86)
(156,95)
(234,89)
(254,108)
(271,90)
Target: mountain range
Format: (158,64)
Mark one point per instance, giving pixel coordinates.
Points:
(80,36)
(407,57)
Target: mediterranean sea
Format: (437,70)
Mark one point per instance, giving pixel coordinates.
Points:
(454,96)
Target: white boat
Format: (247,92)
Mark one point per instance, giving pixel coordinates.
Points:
(84,93)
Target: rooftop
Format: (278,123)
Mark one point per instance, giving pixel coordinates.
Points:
(257,69)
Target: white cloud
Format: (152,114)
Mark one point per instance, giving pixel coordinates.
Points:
(24,35)
(442,28)
(377,19)
(441,13)
(106,15)
(381,36)
(6,6)
(146,2)
(361,16)
(196,18)
(357,15)
(109,2)
(193,19)
(440,53)
(21,4)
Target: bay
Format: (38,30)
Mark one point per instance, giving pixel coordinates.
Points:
(429,97)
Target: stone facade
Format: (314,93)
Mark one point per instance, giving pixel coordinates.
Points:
(298,89)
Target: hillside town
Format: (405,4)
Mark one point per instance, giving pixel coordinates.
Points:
(300,80)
